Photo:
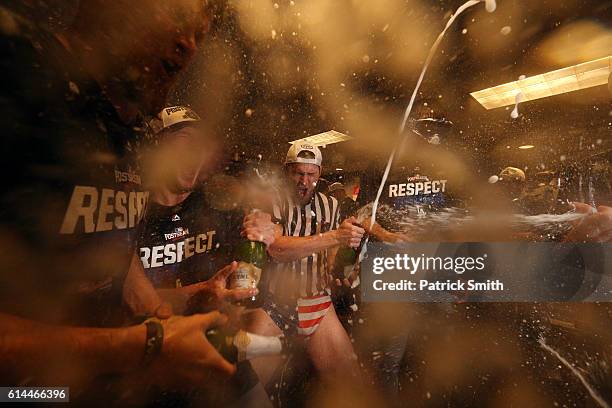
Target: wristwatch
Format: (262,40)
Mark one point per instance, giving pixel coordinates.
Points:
(154,340)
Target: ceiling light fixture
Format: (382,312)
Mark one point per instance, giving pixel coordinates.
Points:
(323,139)
(569,79)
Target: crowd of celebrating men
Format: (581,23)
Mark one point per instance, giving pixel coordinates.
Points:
(98,238)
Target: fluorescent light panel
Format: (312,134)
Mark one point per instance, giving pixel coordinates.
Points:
(581,76)
(325,138)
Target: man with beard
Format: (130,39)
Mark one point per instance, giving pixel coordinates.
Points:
(72,198)
(307,231)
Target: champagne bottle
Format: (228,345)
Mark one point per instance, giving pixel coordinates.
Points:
(239,345)
(344,297)
(346,258)
(251,257)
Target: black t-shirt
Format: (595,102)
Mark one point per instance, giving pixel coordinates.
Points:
(71,196)
(412,189)
(187,243)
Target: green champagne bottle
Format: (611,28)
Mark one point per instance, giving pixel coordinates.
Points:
(344,298)
(238,345)
(252,258)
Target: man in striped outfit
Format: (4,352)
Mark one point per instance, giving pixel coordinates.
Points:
(308,232)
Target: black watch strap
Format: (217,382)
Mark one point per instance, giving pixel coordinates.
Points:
(154,341)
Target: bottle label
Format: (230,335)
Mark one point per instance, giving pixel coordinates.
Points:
(251,345)
(348,270)
(246,276)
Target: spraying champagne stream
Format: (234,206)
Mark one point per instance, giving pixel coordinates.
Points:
(490,7)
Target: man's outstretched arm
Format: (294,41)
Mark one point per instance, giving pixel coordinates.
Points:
(142,298)
(383,234)
(40,354)
(62,355)
(211,294)
(595,226)
(286,248)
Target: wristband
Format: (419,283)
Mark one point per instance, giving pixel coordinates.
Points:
(154,341)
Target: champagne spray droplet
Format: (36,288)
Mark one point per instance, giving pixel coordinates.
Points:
(594,394)
(490,6)
(517,99)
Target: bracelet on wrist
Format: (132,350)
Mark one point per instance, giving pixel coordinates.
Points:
(154,341)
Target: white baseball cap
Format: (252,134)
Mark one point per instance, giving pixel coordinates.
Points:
(512,174)
(301,152)
(174,115)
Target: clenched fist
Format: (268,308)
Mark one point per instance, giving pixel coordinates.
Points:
(349,233)
(258,226)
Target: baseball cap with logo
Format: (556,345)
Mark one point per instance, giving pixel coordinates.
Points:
(173,117)
(304,153)
(512,174)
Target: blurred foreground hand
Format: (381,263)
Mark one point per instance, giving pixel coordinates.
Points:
(594,226)
(214,294)
(187,360)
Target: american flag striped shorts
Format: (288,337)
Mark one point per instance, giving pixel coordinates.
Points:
(303,319)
